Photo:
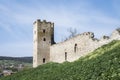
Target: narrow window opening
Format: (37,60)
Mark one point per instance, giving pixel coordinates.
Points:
(43,30)
(75,48)
(65,56)
(43,60)
(75,44)
(44,39)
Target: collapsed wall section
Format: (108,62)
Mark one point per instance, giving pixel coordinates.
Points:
(73,48)
(78,46)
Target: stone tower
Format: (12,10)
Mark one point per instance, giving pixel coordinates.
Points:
(43,38)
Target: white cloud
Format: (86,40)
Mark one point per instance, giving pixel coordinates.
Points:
(81,16)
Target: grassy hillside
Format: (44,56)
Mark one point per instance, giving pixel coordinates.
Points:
(102,64)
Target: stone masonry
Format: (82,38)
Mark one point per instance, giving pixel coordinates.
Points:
(46,50)
(43,38)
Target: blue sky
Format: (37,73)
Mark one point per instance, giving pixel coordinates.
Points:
(17,17)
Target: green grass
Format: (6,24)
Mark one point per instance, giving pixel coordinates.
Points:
(101,64)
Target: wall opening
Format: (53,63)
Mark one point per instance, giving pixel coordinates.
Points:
(65,56)
(43,60)
(75,48)
(44,39)
(43,30)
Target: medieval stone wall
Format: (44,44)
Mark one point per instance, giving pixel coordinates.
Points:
(78,46)
(43,37)
(45,49)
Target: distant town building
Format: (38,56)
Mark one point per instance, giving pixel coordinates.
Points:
(7,72)
(20,67)
(1,74)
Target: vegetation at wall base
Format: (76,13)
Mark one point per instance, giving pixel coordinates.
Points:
(101,64)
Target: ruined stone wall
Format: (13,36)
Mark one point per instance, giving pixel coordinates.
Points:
(70,50)
(78,46)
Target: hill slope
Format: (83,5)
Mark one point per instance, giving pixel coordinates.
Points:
(102,64)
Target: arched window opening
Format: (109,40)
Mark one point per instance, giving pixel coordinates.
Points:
(43,30)
(65,56)
(43,60)
(44,39)
(75,48)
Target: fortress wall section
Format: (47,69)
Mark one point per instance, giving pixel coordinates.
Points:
(81,45)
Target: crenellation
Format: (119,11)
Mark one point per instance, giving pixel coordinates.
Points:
(38,20)
(118,29)
(105,37)
(43,39)
(95,39)
(115,34)
(45,50)
(44,21)
(89,34)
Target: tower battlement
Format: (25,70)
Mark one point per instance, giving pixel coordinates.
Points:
(70,50)
(44,21)
(43,38)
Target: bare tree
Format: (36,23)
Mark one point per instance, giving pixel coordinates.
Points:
(72,32)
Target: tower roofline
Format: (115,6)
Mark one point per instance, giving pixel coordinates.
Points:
(43,21)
